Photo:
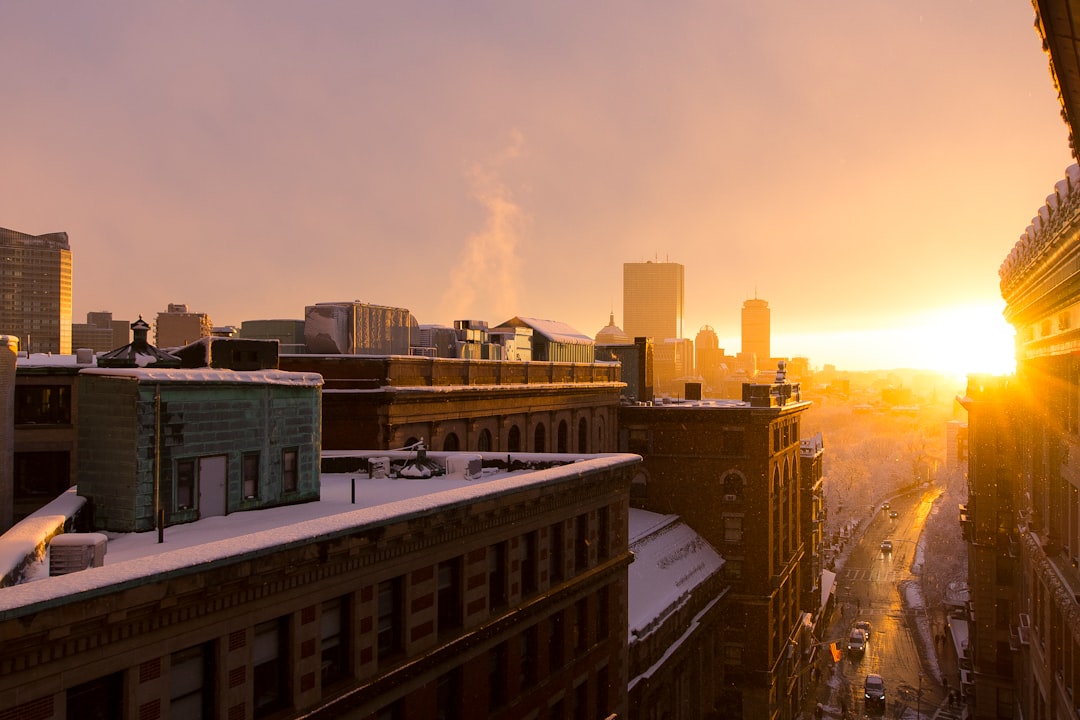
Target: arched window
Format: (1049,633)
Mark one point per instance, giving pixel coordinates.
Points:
(451,443)
(411,441)
(601,445)
(483,441)
(540,439)
(564,438)
(582,436)
(513,439)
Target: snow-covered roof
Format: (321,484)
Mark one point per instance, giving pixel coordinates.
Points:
(133,557)
(212,375)
(553,330)
(670,560)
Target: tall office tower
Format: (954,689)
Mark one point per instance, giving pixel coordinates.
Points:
(755,330)
(653,300)
(35,290)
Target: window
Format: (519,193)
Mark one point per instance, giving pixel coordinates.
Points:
(100,699)
(555,553)
(483,441)
(185,484)
(529,543)
(603,530)
(191,683)
(603,612)
(513,439)
(540,439)
(563,437)
(288,470)
(497,596)
(270,662)
(251,475)
(448,695)
(42,405)
(449,595)
(335,640)
(733,529)
(556,643)
(391,616)
(581,700)
(527,644)
(582,436)
(497,677)
(451,443)
(581,625)
(602,709)
(581,543)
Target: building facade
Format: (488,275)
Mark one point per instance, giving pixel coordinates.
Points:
(35,290)
(732,471)
(653,300)
(372,402)
(177,327)
(100,332)
(505,599)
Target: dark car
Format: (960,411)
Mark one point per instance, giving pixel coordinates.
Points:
(864,625)
(856,644)
(893,514)
(886,546)
(874,691)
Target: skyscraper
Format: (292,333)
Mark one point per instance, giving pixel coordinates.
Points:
(35,290)
(755,330)
(653,300)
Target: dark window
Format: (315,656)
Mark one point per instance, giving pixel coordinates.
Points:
(270,661)
(513,439)
(191,683)
(581,701)
(603,612)
(185,484)
(451,443)
(483,442)
(556,549)
(288,470)
(393,711)
(563,437)
(529,544)
(602,709)
(448,695)
(558,710)
(603,531)
(497,676)
(497,596)
(527,643)
(251,475)
(100,699)
(540,439)
(581,544)
(391,617)
(42,405)
(582,436)
(449,597)
(581,625)
(335,640)
(556,643)
(41,475)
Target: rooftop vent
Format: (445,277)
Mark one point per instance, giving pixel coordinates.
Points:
(72,552)
(466,465)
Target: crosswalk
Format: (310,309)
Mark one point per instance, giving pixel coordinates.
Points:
(873,574)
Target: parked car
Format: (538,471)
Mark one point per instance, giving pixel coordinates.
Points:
(893,514)
(886,546)
(864,625)
(874,691)
(856,644)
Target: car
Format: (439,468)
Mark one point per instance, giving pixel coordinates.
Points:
(886,546)
(874,691)
(856,643)
(884,506)
(864,625)
(893,514)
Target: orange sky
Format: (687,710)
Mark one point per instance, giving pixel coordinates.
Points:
(861,166)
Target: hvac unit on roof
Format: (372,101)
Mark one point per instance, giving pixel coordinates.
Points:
(467,465)
(71,552)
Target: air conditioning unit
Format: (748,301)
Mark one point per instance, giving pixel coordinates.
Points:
(467,465)
(72,552)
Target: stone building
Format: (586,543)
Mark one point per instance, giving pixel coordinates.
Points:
(502,597)
(733,471)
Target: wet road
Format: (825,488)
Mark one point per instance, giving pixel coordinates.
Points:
(869,587)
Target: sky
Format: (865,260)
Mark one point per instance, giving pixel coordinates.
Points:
(865,167)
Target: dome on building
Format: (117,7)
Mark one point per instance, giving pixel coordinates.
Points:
(612,334)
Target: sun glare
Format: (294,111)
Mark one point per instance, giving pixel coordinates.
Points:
(965,339)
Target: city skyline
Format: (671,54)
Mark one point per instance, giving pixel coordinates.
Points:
(491,161)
